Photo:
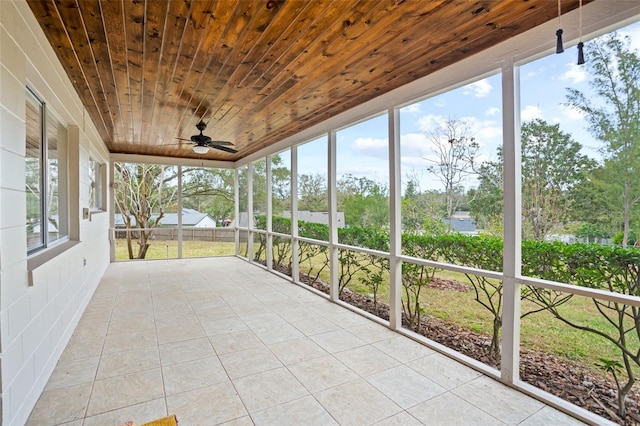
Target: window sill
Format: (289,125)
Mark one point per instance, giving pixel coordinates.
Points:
(37,260)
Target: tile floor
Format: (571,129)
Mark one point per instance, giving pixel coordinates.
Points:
(219,341)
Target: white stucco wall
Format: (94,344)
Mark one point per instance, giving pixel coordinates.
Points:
(40,308)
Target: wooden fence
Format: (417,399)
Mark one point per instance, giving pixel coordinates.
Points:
(188,234)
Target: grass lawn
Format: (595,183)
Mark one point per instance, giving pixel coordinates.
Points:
(169,249)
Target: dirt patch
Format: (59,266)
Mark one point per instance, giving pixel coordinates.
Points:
(440,284)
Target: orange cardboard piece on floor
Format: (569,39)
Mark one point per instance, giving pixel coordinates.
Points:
(165,421)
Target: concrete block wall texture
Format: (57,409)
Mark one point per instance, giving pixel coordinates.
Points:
(40,305)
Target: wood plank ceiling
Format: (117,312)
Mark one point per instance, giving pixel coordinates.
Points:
(258,71)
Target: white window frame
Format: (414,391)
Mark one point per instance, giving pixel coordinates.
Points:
(63,227)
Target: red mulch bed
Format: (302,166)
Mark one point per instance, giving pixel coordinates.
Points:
(564,378)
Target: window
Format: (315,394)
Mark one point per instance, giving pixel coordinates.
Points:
(95,185)
(46,176)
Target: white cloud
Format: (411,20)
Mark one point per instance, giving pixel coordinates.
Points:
(530,112)
(365,144)
(412,143)
(374,147)
(411,109)
(491,111)
(633,32)
(431,121)
(575,74)
(571,113)
(479,89)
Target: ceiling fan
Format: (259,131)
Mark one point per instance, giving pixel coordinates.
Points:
(202,143)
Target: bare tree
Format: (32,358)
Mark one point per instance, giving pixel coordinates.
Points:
(452,152)
(140,195)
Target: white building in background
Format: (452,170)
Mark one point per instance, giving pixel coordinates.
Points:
(190,218)
(316,217)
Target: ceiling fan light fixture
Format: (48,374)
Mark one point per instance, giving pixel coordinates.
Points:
(200,149)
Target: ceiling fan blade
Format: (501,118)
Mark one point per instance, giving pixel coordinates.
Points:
(224,143)
(223,148)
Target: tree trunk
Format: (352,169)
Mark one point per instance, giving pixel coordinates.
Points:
(494,349)
(627,208)
(129,245)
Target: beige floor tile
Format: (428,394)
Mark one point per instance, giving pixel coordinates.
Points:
(366,360)
(127,341)
(242,421)
(400,419)
(235,341)
(347,319)
(403,349)
(322,373)
(180,332)
(78,349)
(248,362)
(187,350)
(139,413)
(443,370)
(61,405)
(212,303)
(121,313)
(270,296)
(450,410)
(164,308)
(119,392)
(262,319)
(357,403)
(404,386)
(290,313)
(210,405)
(140,324)
(550,416)
(371,332)
(306,410)
(207,293)
(100,304)
(337,341)
(298,350)
(215,313)
(276,332)
(173,319)
(315,325)
(506,404)
(73,373)
(95,316)
(269,388)
(73,423)
(222,326)
(133,301)
(191,375)
(94,328)
(128,361)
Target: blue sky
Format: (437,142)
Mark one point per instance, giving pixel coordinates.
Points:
(362,149)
